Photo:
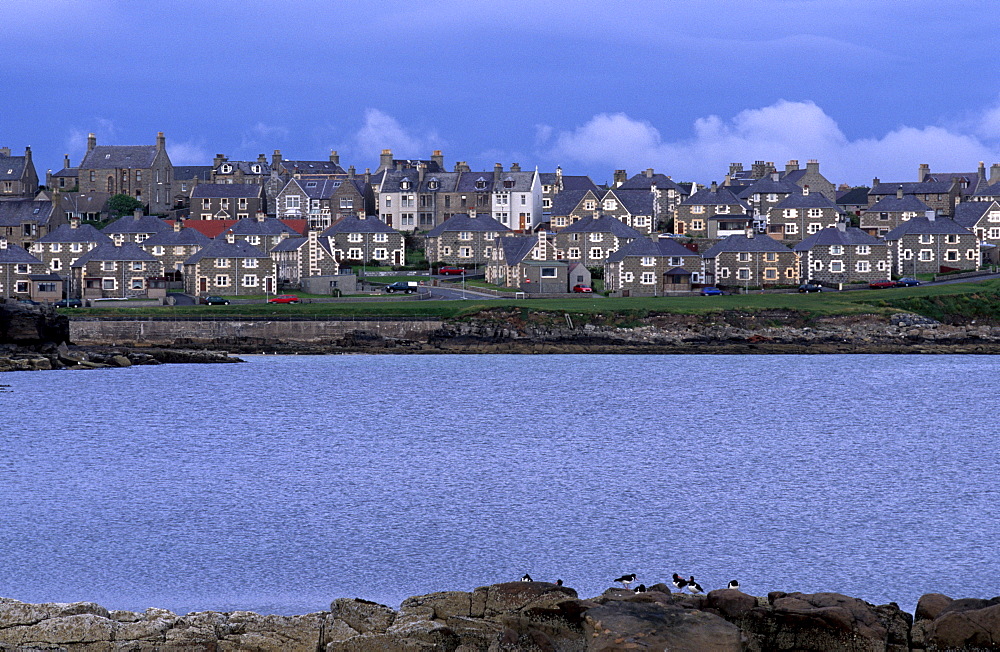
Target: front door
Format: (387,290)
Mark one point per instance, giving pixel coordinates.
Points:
(268,283)
(203,284)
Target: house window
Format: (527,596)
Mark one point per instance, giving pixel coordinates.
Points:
(951,254)
(407,201)
(292,201)
(771,257)
(465,235)
(242,203)
(697,225)
(346,202)
(836,266)
(596,253)
(573,253)
(253,239)
(588,205)
(222,281)
(107,266)
(951,238)
(55,264)
(789,213)
(926,254)
(863,250)
(137,284)
(250,263)
(815,212)
(882,266)
(648,278)
(836,250)
(743,274)
(108,284)
(814,227)
(743,256)
(926,238)
(354,254)
(610,204)
(250,280)
(628,277)
(770,274)
(596,237)
(380,254)
(354,237)
(791,228)
(863,266)
(56,247)
(22,287)
(648,261)
(790,272)
(206,204)
(222,262)
(381,237)
(697,210)
(137,265)
(722,209)
(548,272)
(465,252)
(22,268)
(724,272)
(388,202)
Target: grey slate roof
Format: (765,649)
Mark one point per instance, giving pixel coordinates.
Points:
(854,197)
(919,225)
(108,251)
(311,167)
(67,234)
(354,224)
(812,200)
(246,167)
(11,168)
(14,212)
(636,202)
(190,172)
(912,187)
(516,247)
(12,253)
(893,204)
(213,190)
(647,247)
(129,224)
(722,196)
(224,249)
(738,243)
(467,182)
(569,181)
(119,156)
(567,200)
(831,235)
(766,185)
(969,212)
(253,226)
(462,222)
(184,237)
(988,191)
(291,244)
(642,182)
(603,224)
(84,202)
(72,173)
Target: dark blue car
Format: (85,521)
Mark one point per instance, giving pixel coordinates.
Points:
(710,291)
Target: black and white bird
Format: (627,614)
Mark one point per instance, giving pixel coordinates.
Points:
(640,589)
(693,586)
(679,582)
(558,582)
(626,579)
(733,584)
(526,578)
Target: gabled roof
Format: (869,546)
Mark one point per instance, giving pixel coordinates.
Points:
(812,200)
(141,224)
(224,249)
(253,226)
(569,181)
(988,191)
(393,179)
(228,190)
(893,204)
(108,251)
(354,224)
(912,187)
(291,244)
(922,225)
(12,253)
(311,167)
(647,247)
(72,173)
(767,185)
(741,243)
(515,182)
(642,181)
(14,212)
(516,247)
(184,237)
(12,168)
(832,235)
(636,202)
(462,222)
(468,180)
(854,197)
(191,172)
(67,234)
(119,156)
(246,167)
(315,188)
(603,224)
(84,202)
(709,197)
(567,200)
(969,212)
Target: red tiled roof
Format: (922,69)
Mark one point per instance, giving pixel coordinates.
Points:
(214,228)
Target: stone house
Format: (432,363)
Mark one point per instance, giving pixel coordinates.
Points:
(299,258)
(229,267)
(289,168)
(18,177)
(748,261)
(17,267)
(89,206)
(931,245)
(135,228)
(225,201)
(239,172)
(891,211)
(23,221)
(634,208)
(412,199)
(175,246)
(186,177)
(713,212)
(324,201)
(766,193)
(363,239)
(60,248)
(509,254)
(591,241)
(810,177)
(852,201)
(464,239)
(843,254)
(261,231)
(140,171)
(555,183)
(800,215)
(983,219)
(111,271)
(65,180)
(969,183)
(572,206)
(651,267)
(940,196)
(667,194)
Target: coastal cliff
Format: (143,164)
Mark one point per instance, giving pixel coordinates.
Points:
(524,616)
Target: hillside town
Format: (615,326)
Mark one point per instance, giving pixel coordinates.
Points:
(124,222)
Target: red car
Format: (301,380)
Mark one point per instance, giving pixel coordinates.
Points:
(881,285)
(450,271)
(586,289)
(284,298)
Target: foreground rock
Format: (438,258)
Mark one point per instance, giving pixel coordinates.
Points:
(523,616)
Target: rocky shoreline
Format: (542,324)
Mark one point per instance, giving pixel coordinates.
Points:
(524,616)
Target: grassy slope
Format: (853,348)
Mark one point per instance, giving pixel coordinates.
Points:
(958,302)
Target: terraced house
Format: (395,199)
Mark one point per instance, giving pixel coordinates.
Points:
(23,221)
(110,271)
(409,199)
(891,211)
(555,183)
(17,268)
(364,239)
(931,245)
(229,267)
(175,246)
(63,246)
(940,196)
(299,258)
(510,255)
(135,228)
(667,194)
(713,212)
(140,171)
(591,241)
(798,216)
(634,208)
(464,239)
(766,193)
(843,254)
(572,206)
(651,267)
(983,219)
(261,231)
(749,261)
(324,201)
(227,201)
(18,177)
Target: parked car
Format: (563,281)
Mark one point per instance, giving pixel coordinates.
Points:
(408,287)
(881,285)
(28,302)
(710,291)
(214,300)
(907,281)
(284,298)
(68,303)
(584,289)
(810,287)
(447,270)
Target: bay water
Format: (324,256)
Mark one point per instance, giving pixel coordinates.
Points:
(283,483)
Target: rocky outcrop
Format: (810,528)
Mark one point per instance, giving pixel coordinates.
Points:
(523,616)
(26,325)
(64,357)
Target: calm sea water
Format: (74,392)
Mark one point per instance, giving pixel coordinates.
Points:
(283,483)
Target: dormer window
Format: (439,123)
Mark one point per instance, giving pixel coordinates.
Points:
(508,183)
(255,168)
(432,184)
(404,184)
(310,184)
(480,183)
(226,168)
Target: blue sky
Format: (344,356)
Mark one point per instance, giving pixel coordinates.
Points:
(867,88)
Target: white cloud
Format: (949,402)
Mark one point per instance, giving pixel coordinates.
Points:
(382,131)
(188,153)
(780,132)
(263,134)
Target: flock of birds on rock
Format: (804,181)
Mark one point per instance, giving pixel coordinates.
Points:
(679,583)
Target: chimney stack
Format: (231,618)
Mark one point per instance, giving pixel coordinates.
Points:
(3,242)
(438,159)
(715,187)
(812,166)
(261,159)
(334,157)
(261,216)
(217,161)
(137,214)
(649,173)
(385,159)
(805,190)
(351,173)
(923,171)
(842,225)
(178,225)
(472,212)
(515,167)
(899,192)
(66,161)
(275,160)
(791,166)
(74,222)
(230,237)
(497,170)
(91,141)
(620,177)
(421,168)
(161,142)
(994,173)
